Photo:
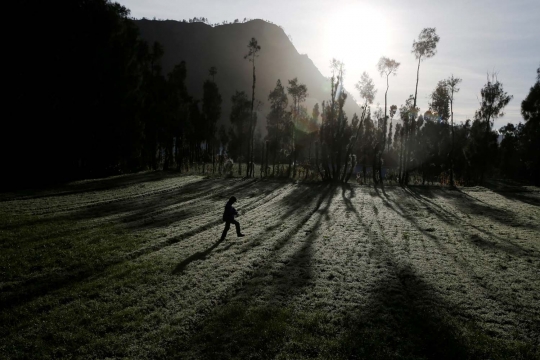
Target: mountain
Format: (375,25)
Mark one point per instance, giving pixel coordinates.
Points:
(202,46)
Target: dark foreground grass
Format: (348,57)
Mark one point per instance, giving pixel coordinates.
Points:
(237,331)
(41,253)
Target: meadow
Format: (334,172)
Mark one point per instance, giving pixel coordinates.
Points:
(133,267)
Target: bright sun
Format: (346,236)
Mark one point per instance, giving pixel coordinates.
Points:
(357,35)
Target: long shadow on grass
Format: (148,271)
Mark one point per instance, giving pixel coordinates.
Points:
(36,287)
(135,212)
(167,211)
(472,205)
(90,185)
(404,318)
(200,255)
(468,204)
(297,203)
(293,272)
(291,202)
(403,208)
(142,204)
(484,244)
(516,192)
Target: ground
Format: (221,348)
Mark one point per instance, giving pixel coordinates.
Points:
(132,266)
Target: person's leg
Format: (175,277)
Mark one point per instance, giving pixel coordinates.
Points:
(237,224)
(224,234)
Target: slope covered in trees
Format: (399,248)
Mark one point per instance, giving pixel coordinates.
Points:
(202,46)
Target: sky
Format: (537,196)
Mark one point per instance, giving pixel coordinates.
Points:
(476,38)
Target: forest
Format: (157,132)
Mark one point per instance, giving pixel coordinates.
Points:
(102,106)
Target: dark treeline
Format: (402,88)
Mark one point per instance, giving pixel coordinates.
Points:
(421,148)
(89,98)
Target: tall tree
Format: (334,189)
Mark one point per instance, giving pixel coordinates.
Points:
(154,113)
(276,120)
(298,93)
(530,110)
(407,113)
(510,150)
(367,92)
(240,118)
(386,67)
(224,141)
(440,102)
(315,113)
(424,48)
(211,109)
(480,151)
(179,107)
(337,120)
(452,88)
(494,100)
(393,110)
(252,54)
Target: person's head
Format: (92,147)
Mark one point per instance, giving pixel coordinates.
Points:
(232,200)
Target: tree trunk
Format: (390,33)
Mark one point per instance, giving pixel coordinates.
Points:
(317,159)
(452,147)
(353,166)
(408,149)
(266,162)
(294,140)
(274,160)
(239,162)
(384,131)
(374,169)
(364,168)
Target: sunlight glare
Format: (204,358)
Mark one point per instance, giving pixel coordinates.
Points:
(358,35)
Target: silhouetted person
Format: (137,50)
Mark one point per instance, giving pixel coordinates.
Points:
(228,217)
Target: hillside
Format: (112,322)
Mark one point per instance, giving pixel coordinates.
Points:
(224,47)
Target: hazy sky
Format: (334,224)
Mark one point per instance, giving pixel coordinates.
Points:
(476,37)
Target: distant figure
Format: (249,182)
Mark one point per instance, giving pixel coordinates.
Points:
(228,218)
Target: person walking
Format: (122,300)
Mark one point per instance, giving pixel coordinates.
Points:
(228,218)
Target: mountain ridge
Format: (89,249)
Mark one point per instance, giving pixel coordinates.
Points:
(224,46)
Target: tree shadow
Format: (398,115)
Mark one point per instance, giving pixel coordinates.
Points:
(496,242)
(200,255)
(517,193)
(403,318)
(472,205)
(162,208)
(487,242)
(296,270)
(91,185)
(32,288)
(301,193)
(347,200)
(406,317)
(297,200)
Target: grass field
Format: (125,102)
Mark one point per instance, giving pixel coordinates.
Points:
(132,267)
